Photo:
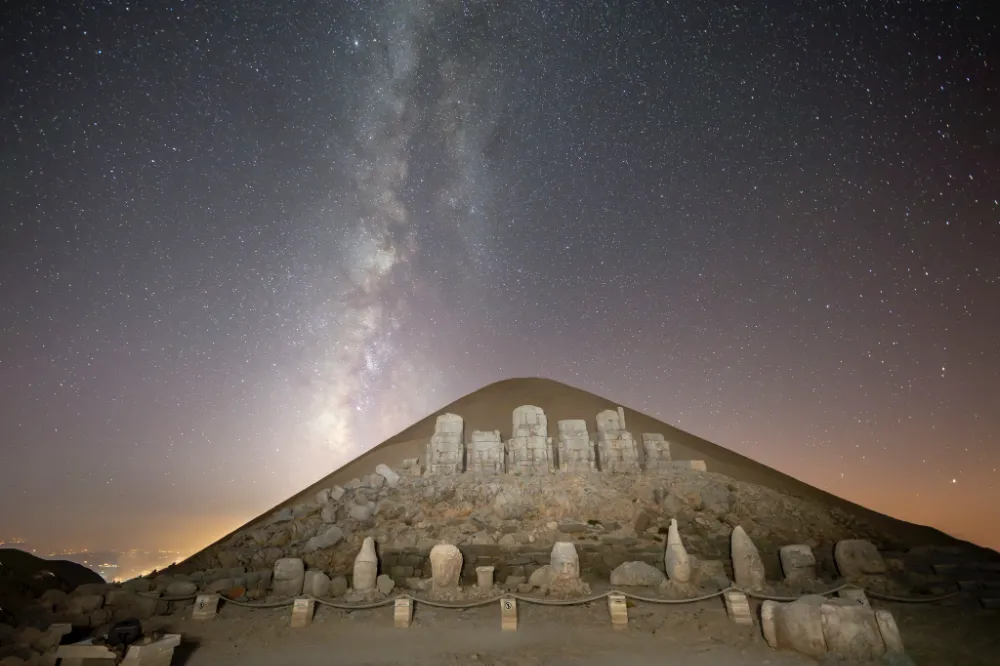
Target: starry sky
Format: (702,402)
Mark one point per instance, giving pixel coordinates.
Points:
(241,243)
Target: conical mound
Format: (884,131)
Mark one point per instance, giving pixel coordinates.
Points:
(491,408)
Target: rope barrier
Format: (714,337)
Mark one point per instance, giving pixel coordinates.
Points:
(560,602)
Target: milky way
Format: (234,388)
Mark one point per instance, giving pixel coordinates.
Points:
(241,244)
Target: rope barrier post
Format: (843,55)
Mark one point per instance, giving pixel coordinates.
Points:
(302,612)
(738,607)
(403,612)
(205,607)
(508,614)
(856,594)
(618,610)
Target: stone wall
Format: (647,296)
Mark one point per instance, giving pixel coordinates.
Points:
(484,453)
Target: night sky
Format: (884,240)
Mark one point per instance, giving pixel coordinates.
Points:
(241,243)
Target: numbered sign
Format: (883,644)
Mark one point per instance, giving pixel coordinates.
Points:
(508,614)
(302,612)
(205,606)
(403,612)
(618,610)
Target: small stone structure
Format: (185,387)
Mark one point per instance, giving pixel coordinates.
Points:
(656,451)
(484,453)
(575,450)
(446,447)
(529,450)
(616,449)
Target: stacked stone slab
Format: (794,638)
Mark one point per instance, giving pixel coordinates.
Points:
(484,453)
(575,450)
(657,452)
(529,450)
(446,447)
(616,448)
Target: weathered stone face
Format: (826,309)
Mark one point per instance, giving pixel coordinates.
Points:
(529,450)
(484,453)
(445,451)
(575,451)
(616,448)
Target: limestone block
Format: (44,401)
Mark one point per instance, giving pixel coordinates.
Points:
(676,561)
(391,478)
(856,558)
(316,584)
(656,451)
(302,612)
(446,566)
(889,631)
(575,451)
(289,576)
(798,626)
(403,612)
(446,449)
(366,566)
(484,454)
(748,567)
(851,631)
(637,574)
(797,562)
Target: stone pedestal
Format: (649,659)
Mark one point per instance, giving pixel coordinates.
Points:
(618,610)
(402,615)
(484,577)
(738,607)
(205,607)
(508,614)
(302,612)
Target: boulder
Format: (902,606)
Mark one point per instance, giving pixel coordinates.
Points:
(289,577)
(316,584)
(362,512)
(391,478)
(328,514)
(329,538)
(384,583)
(181,588)
(748,568)
(366,566)
(637,574)
(446,566)
(857,558)
(338,586)
(676,561)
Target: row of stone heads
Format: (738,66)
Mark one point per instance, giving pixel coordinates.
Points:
(530,450)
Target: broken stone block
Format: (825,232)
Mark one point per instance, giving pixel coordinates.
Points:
(391,478)
(446,566)
(289,577)
(798,626)
(798,563)
(366,566)
(676,561)
(748,567)
(484,454)
(857,558)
